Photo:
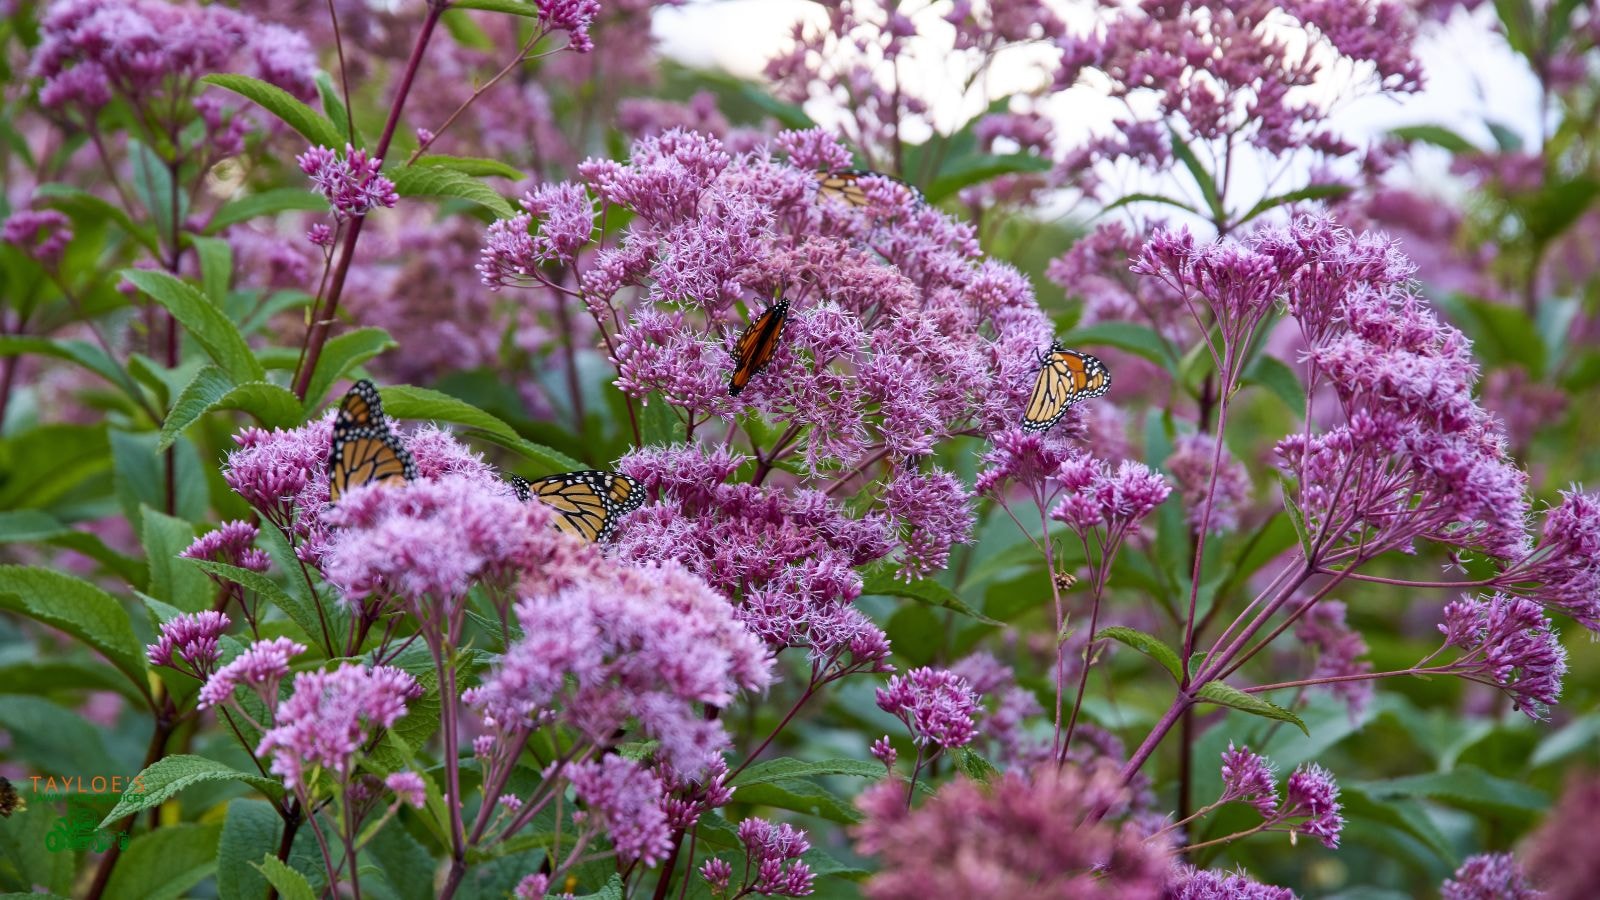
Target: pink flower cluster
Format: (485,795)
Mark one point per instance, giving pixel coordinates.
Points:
(190,638)
(936,704)
(1310,803)
(331,715)
(353,184)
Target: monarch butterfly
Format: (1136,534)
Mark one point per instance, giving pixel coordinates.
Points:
(365,450)
(757,344)
(846,185)
(588,503)
(1066,377)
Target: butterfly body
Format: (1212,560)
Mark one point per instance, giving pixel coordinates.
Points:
(587,503)
(1066,377)
(365,449)
(755,346)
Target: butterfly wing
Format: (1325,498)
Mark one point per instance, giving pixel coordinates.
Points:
(845,185)
(365,450)
(755,346)
(588,503)
(1066,377)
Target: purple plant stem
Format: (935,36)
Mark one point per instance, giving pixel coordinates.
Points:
(322,318)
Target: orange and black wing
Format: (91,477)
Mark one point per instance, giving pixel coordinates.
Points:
(1065,377)
(756,345)
(365,450)
(846,185)
(587,503)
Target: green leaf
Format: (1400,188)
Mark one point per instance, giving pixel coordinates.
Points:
(204,321)
(1276,376)
(881,581)
(342,354)
(166,863)
(301,612)
(153,185)
(333,107)
(80,204)
(512,7)
(78,608)
(89,356)
(1202,178)
(216,268)
(212,389)
(658,427)
(975,766)
(166,777)
(55,739)
(1135,339)
(1437,135)
(1149,645)
(291,884)
(407,402)
(1501,333)
(1507,140)
(44,676)
(250,826)
(1309,192)
(788,114)
(265,203)
(611,890)
(1466,786)
(1556,206)
(977,168)
(433,181)
(1574,737)
(802,797)
(1519,24)
(785,768)
(475,166)
(1130,199)
(164,537)
(33,526)
(1233,698)
(1407,815)
(312,125)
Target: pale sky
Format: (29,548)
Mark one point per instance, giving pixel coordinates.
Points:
(1471,74)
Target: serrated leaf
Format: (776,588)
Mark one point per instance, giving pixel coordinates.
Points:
(164,778)
(216,268)
(802,796)
(611,890)
(265,203)
(1271,373)
(1135,339)
(302,613)
(77,202)
(788,768)
(1202,178)
(432,181)
(164,537)
(475,166)
(977,168)
(291,885)
(1466,786)
(1309,192)
(1437,135)
(166,863)
(1233,698)
(201,320)
(1147,644)
(78,608)
(407,402)
(89,356)
(881,581)
(212,389)
(974,766)
(342,354)
(312,125)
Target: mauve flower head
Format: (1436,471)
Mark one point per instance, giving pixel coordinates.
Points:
(261,667)
(884,752)
(352,184)
(513,255)
(716,872)
(532,887)
(1508,643)
(1191,468)
(1312,794)
(408,787)
(231,543)
(1098,497)
(1562,571)
(330,715)
(627,799)
(1248,777)
(1489,876)
(936,704)
(774,852)
(688,797)
(192,637)
(282,474)
(1052,833)
(1003,724)
(429,540)
(572,16)
(1563,856)
(1190,883)
(1339,649)
(936,512)
(41,233)
(643,643)
(152,51)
